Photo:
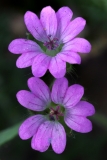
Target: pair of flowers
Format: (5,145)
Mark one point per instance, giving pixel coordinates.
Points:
(54,45)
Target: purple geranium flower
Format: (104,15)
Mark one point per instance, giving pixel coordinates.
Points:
(57,33)
(62,101)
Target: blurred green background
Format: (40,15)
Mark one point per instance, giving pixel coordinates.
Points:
(92,74)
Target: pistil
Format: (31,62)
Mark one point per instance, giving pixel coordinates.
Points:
(52,43)
(55,113)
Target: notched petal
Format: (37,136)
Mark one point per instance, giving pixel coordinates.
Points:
(34,26)
(58,90)
(42,139)
(30,126)
(78,45)
(64,15)
(40,65)
(77,123)
(70,57)
(20,45)
(49,20)
(30,101)
(73,29)
(39,88)
(73,95)
(83,108)
(58,138)
(57,67)
(26,59)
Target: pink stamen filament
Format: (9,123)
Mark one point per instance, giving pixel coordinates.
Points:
(52,44)
(56,112)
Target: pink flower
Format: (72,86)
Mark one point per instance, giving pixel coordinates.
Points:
(56,33)
(61,101)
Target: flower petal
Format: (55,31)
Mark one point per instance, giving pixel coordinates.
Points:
(42,139)
(30,101)
(26,59)
(58,138)
(40,65)
(48,20)
(19,46)
(78,45)
(30,126)
(34,26)
(70,57)
(57,67)
(64,15)
(39,88)
(58,90)
(83,108)
(73,29)
(73,95)
(77,123)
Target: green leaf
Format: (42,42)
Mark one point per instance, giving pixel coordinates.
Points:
(8,134)
(100,119)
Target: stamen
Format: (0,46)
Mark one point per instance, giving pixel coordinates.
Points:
(55,112)
(52,43)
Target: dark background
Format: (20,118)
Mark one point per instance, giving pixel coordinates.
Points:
(92,74)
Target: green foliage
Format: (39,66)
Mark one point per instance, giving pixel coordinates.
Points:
(9,133)
(100,119)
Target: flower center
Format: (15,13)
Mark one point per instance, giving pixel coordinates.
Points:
(52,43)
(55,113)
